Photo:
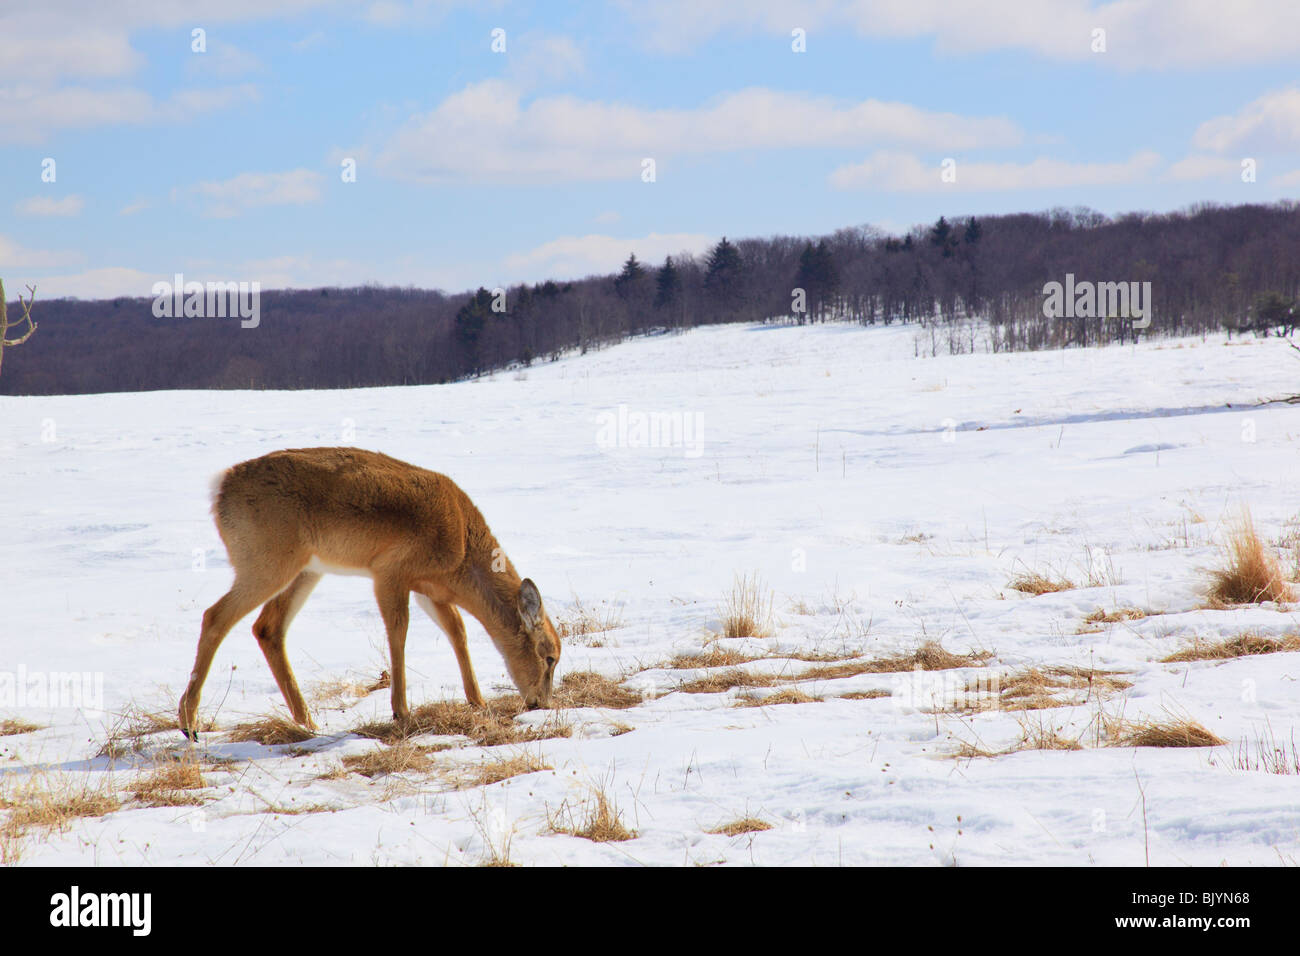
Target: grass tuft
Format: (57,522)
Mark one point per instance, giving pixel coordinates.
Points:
(747,610)
(1251,572)
(270,732)
(743,825)
(1243,645)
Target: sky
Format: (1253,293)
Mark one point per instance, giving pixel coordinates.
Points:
(304,143)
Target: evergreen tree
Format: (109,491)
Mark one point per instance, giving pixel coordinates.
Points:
(973,232)
(630,278)
(470,322)
(724,273)
(668,284)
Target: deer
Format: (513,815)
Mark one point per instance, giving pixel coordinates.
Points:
(292,516)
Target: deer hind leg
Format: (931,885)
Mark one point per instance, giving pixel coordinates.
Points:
(447,617)
(270,629)
(250,589)
(395,609)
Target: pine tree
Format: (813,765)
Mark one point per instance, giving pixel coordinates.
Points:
(724,274)
(630,278)
(668,284)
(471,319)
(973,232)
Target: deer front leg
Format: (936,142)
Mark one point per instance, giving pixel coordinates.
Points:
(394,607)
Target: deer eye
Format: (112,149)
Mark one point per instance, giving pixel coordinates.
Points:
(550,662)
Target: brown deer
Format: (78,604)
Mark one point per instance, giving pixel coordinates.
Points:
(289,517)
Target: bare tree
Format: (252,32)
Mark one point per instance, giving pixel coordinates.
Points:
(5,341)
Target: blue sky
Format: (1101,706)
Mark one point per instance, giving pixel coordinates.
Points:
(476,167)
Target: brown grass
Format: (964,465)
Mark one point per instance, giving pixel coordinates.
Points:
(134,724)
(171,785)
(1034,735)
(1102,616)
(586,689)
(743,825)
(1036,688)
(787,696)
(601,822)
(747,610)
(339,692)
(713,656)
(930,656)
(1243,645)
(270,732)
(1174,730)
(865,695)
(487,726)
(401,757)
(46,803)
(1034,583)
(724,681)
(1251,572)
(10,727)
(503,768)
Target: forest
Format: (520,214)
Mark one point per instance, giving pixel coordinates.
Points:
(969,284)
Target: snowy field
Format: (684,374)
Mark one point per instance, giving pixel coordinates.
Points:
(886,500)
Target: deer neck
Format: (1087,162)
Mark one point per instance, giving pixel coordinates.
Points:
(491,595)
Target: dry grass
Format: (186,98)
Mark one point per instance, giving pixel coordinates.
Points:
(487,726)
(724,681)
(1268,756)
(787,696)
(1243,645)
(1174,730)
(743,825)
(865,695)
(583,622)
(270,732)
(48,803)
(713,656)
(601,820)
(171,785)
(747,610)
(586,689)
(1102,616)
(503,768)
(11,727)
(930,656)
(341,693)
(1251,572)
(401,757)
(1038,688)
(1034,583)
(128,733)
(1035,734)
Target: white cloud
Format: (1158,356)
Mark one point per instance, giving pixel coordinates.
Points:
(28,114)
(1200,166)
(228,198)
(572,257)
(538,56)
(224,60)
(70,205)
(15,256)
(1140,34)
(1268,124)
(109,282)
(484,133)
(905,172)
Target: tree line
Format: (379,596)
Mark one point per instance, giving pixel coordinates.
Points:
(966,284)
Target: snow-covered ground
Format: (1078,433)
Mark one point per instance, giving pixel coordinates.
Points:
(886,499)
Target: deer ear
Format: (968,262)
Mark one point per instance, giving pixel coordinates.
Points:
(530,604)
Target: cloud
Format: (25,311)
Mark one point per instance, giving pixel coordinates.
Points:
(110,282)
(1268,124)
(1140,34)
(70,205)
(28,114)
(15,256)
(231,197)
(537,56)
(905,172)
(223,60)
(573,257)
(1200,166)
(484,133)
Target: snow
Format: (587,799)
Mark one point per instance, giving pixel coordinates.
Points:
(895,496)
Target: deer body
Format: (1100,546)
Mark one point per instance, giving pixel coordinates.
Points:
(290,517)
